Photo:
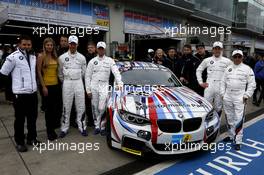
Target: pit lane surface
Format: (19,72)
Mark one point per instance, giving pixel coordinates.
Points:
(249,160)
(102,161)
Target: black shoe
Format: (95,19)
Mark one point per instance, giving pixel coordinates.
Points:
(84,133)
(103,132)
(228,139)
(52,137)
(96,131)
(63,134)
(237,147)
(21,148)
(34,142)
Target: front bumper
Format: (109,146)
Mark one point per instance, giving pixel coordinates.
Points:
(166,143)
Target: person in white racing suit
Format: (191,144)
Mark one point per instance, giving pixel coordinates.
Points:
(215,66)
(97,84)
(72,67)
(237,85)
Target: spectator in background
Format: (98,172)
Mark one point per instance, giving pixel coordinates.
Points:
(188,72)
(150,56)
(170,60)
(160,57)
(91,53)
(47,69)
(202,54)
(257,58)
(64,46)
(249,60)
(174,62)
(259,74)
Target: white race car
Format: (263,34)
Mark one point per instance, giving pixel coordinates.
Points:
(155,112)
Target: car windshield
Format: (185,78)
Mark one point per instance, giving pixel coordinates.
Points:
(150,77)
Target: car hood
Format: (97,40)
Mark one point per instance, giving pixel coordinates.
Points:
(165,102)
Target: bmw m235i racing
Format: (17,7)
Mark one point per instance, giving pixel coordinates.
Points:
(155,112)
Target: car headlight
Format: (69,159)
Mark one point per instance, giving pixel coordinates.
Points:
(133,118)
(210,116)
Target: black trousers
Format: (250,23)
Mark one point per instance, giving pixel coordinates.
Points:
(26,106)
(261,96)
(256,90)
(53,103)
(88,110)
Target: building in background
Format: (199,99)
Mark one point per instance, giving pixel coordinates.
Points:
(133,26)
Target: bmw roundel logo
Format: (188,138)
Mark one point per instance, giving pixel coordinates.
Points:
(21,57)
(96,62)
(180,115)
(67,59)
(229,70)
(211,62)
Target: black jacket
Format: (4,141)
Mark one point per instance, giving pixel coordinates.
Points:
(190,64)
(89,56)
(174,64)
(202,57)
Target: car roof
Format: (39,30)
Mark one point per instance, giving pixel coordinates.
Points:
(138,64)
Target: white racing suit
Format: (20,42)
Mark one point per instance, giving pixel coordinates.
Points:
(72,69)
(215,70)
(97,82)
(238,82)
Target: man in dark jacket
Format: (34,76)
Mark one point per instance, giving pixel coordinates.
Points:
(63,47)
(201,55)
(188,73)
(173,62)
(91,53)
(259,74)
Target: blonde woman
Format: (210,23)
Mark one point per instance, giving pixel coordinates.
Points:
(47,67)
(160,57)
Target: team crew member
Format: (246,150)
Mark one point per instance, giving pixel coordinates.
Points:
(201,55)
(91,53)
(72,66)
(22,66)
(190,64)
(97,84)
(215,66)
(237,85)
(47,65)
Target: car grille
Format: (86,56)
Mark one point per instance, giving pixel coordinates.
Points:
(175,126)
(170,126)
(191,124)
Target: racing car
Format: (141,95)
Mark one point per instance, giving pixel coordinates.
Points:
(154,112)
